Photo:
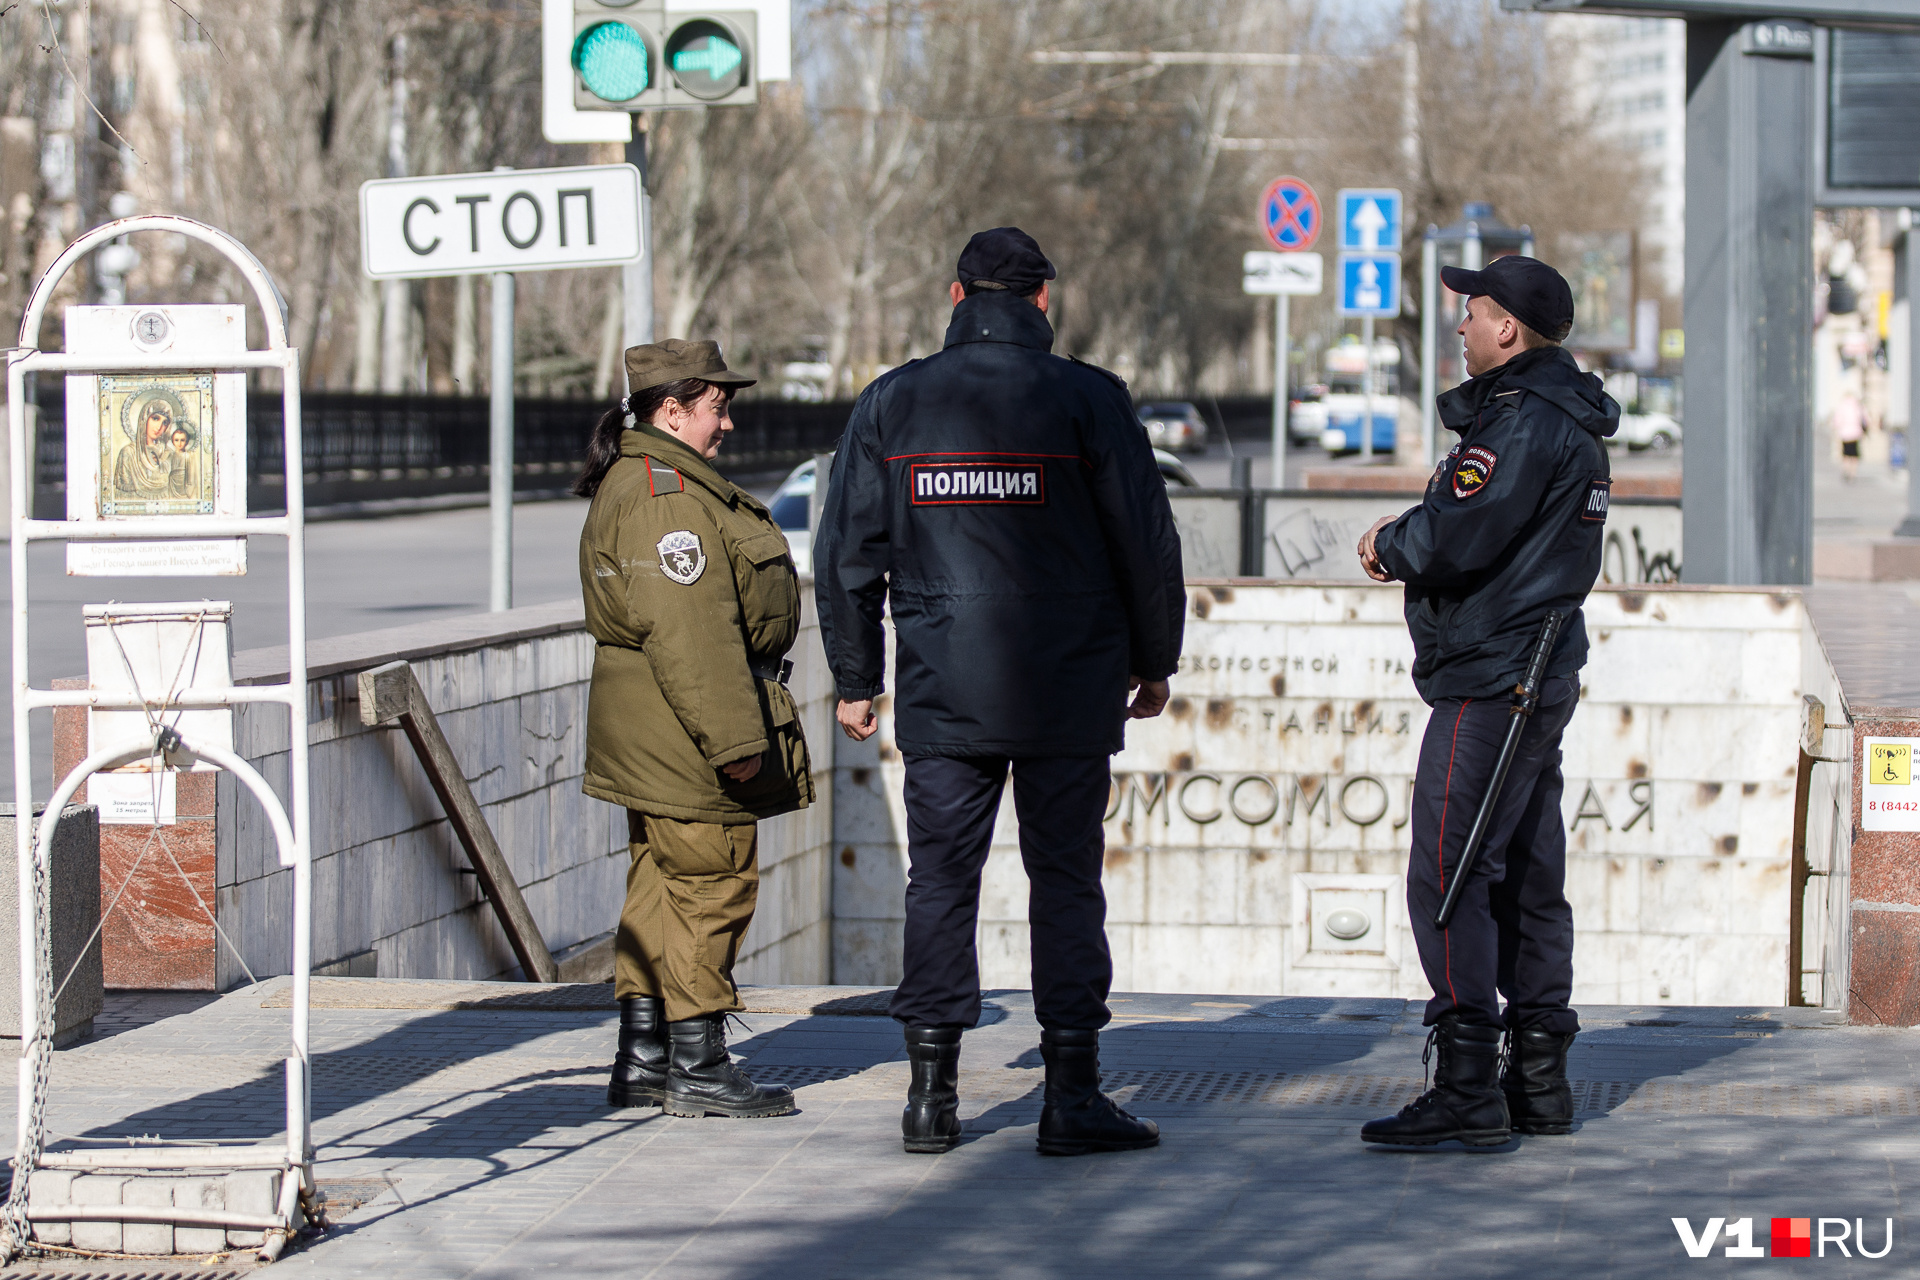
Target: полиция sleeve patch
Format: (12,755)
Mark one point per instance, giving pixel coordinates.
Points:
(1472,471)
(1442,467)
(681,556)
(1595,508)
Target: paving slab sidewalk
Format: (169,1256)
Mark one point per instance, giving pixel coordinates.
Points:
(472,1127)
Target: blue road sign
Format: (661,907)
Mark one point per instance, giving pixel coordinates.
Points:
(1370,285)
(1369,220)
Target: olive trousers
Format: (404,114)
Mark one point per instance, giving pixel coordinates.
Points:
(691,889)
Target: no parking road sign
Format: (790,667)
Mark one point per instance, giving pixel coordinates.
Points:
(1290,215)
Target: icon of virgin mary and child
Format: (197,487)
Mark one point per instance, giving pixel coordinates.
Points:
(161,463)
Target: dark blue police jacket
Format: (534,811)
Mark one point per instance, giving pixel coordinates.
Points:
(1512,526)
(1008,503)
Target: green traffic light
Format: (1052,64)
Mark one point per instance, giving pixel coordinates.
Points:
(611,58)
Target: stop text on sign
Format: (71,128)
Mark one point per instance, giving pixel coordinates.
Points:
(511,220)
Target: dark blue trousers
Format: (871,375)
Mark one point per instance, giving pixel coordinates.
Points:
(951,804)
(1512,933)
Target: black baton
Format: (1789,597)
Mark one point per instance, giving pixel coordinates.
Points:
(1526,695)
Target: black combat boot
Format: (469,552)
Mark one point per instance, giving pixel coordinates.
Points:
(1538,1096)
(640,1065)
(931,1122)
(1465,1102)
(702,1080)
(1078,1119)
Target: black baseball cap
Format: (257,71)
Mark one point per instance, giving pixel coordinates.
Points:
(1532,292)
(1005,256)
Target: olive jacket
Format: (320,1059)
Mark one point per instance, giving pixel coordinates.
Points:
(692,597)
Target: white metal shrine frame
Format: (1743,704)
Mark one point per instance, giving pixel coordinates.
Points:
(295,1157)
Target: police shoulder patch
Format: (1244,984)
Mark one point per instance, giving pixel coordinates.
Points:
(1599,491)
(681,556)
(1441,468)
(1109,374)
(662,478)
(1472,470)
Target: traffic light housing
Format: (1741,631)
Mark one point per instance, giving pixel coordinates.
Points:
(634,55)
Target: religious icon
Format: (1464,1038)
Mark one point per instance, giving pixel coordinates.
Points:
(156,445)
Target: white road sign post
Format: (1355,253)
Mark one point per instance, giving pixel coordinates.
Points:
(1284,275)
(497,224)
(1369,219)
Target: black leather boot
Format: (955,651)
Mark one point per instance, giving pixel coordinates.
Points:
(1539,1099)
(1465,1103)
(702,1080)
(1078,1119)
(931,1122)
(640,1065)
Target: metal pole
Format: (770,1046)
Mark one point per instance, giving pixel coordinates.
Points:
(1429,344)
(1907,261)
(1366,389)
(636,278)
(1277,474)
(500,456)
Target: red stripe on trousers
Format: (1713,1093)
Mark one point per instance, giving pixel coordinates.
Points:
(1439,848)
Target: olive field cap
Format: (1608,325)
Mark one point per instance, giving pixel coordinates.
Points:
(678,358)
(1532,292)
(1004,256)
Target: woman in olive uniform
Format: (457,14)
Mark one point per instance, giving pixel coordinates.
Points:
(692,597)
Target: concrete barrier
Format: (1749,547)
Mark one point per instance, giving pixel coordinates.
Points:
(74,890)
(1274,792)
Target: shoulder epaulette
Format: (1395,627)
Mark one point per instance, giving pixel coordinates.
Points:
(662,478)
(1115,378)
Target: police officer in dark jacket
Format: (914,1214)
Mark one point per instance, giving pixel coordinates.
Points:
(1510,529)
(1006,504)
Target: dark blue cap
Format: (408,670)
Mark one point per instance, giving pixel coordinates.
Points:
(1532,292)
(1005,256)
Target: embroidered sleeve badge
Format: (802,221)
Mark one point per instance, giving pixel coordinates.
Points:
(1472,471)
(681,556)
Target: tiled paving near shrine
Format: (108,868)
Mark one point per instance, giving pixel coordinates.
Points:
(466,1126)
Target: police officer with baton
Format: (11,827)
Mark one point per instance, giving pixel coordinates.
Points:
(1497,559)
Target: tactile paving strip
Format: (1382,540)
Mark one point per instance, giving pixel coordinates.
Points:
(41,1269)
(1261,1090)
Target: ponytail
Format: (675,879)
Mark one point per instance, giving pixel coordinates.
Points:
(603,446)
(603,450)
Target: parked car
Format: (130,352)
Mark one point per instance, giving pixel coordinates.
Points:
(791,502)
(789,505)
(1174,425)
(1344,412)
(1655,432)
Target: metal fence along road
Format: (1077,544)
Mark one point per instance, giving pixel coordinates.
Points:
(369,448)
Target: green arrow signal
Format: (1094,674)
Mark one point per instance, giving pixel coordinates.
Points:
(717,59)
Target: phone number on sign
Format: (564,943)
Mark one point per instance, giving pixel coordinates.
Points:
(1893,806)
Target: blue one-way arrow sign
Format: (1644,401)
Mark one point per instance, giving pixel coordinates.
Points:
(1370,285)
(1369,220)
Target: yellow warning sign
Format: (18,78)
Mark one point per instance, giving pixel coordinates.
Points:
(1891,765)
